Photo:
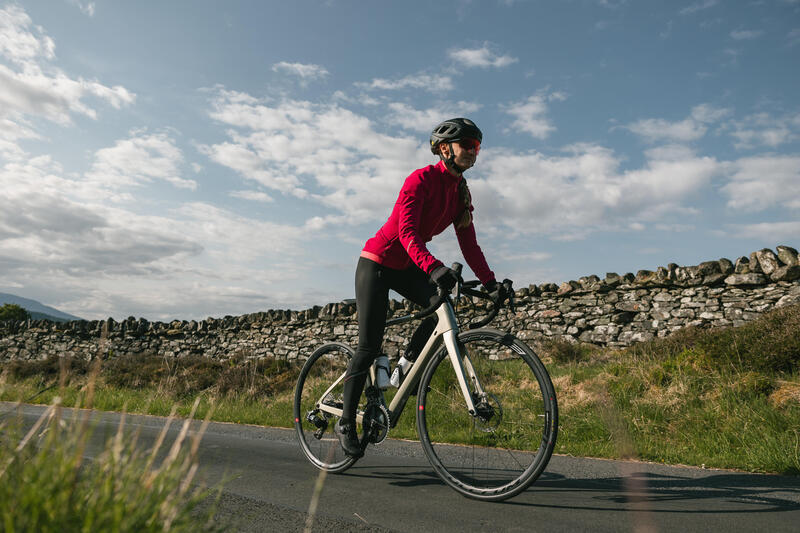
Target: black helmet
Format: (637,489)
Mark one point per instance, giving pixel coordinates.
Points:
(454,129)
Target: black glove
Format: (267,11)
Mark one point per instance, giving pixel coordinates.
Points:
(499,291)
(444,277)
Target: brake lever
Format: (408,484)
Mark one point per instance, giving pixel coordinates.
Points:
(509,290)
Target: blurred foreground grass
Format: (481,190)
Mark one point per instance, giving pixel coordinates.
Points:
(725,398)
(47,484)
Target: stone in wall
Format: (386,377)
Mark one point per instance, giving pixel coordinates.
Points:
(787,255)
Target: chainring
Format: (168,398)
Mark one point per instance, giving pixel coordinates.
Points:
(375,422)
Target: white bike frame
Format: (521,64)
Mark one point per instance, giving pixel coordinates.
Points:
(446,332)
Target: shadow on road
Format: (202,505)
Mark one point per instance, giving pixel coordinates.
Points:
(644,491)
(708,494)
(397,476)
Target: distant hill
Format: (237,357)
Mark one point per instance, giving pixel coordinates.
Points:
(37,310)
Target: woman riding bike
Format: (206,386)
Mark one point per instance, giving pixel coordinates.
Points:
(396,258)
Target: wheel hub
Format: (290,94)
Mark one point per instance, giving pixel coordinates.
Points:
(319,422)
(488,413)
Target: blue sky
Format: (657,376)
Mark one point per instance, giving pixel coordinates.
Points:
(189,159)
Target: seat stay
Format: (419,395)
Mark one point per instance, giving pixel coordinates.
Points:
(327,408)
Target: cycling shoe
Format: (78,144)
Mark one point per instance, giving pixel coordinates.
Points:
(348,438)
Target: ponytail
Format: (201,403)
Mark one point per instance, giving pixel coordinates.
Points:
(464,219)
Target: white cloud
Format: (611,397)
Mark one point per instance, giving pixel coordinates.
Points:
(675,228)
(583,191)
(483,57)
(762,182)
(11,133)
(746,35)
(87,8)
(768,232)
(762,129)
(424,120)
(18,43)
(689,129)
(141,158)
(698,6)
(611,4)
(256,196)
(303,71)
(59,237)
(732,55)
(315,150)
(40,89)
(44,220)
(531,114)
(34,93)
(528,256)
(363,99)
(427,82)
(654,130)
(708,114)
(232,238)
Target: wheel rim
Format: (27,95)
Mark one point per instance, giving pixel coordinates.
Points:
(320,444)
(490,458)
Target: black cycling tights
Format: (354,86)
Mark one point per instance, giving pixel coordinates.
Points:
(373,282)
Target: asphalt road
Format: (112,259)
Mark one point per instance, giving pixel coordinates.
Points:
(269,484)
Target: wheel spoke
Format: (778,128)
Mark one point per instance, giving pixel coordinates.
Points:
(315,428)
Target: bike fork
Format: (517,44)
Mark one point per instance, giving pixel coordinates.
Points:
(465,372)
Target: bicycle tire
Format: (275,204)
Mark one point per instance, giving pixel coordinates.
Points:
(320,370)
(500,455)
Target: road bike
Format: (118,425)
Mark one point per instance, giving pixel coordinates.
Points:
(487,415)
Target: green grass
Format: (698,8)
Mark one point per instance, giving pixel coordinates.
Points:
(727,398)
(47,485)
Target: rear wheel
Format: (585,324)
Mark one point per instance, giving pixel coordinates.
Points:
(505,446)
(315,427)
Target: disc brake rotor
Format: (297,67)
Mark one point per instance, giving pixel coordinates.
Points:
(488,413)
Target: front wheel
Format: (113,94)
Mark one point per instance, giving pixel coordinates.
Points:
(504,447)
(314,426)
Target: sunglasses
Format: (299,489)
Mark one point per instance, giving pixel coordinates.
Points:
(470,144)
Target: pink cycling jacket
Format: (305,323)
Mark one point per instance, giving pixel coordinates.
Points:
(426,205)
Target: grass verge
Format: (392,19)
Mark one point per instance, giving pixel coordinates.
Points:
(46,484)
(721,398)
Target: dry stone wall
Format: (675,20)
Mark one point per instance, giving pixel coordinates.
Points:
(617,310)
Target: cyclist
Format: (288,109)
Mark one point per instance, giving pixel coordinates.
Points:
(396,258)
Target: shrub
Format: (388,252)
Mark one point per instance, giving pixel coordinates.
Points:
(47,368)
(13,312)
(563,351)
(769,344)
(189,375)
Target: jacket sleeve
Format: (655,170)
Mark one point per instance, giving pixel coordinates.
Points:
(473,254)
(410,205)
